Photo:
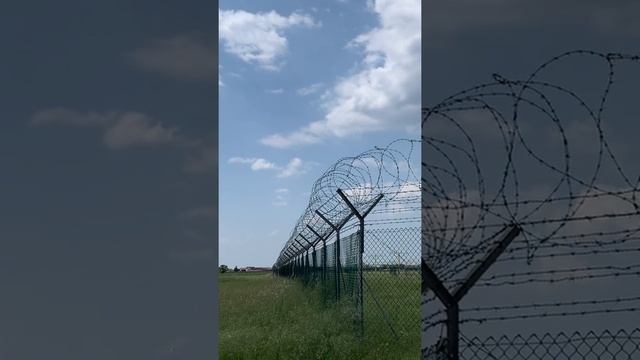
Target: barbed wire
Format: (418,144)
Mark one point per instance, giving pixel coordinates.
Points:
(530,152)
(386,171)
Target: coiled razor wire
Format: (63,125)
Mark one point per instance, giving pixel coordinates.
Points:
(386,171)
(507,152)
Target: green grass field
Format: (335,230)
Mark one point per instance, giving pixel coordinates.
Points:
(267,317)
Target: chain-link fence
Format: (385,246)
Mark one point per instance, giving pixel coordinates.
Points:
(607,345)
(392,280)
(375,276)
(390,273)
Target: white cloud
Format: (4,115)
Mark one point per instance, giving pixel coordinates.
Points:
(256,163)
(241,160)
(220,82)
(308,90)
(181,57)
(262,164)
(385,93)
(121,129)
(282,191)
(295,167)
(258,37)
(275,91)
(305,136)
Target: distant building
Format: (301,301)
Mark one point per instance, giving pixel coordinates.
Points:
(256,269)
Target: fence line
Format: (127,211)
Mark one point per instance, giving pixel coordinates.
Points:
(359,240)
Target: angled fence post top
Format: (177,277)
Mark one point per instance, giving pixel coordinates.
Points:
(336,227)
(320,237)
(353,208)
(451,300)
(305,239)
(481,268)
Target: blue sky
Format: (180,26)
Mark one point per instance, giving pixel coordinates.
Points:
(300,86)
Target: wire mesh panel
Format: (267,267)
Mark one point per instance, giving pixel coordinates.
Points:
(308,265)
(392,281)
(314,267)
(620,345)
(330,293)
(349,260)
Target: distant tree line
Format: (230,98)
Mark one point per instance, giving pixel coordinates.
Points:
(224,268)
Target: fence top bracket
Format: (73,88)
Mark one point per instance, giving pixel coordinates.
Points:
(353,208)
(450,300)
(320,237)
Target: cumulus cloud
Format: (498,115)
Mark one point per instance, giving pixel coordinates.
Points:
(295,167)
(121,129)
(220,82)
(183,57)
(255,163)
(385,93)
(258,37)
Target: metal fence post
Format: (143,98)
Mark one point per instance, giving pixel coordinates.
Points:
(360,264)
(337,267)
(336,228)
(305,266)
(324,258)
(306,257)
(324,261)
(313,264)
(300,258)
(451,301)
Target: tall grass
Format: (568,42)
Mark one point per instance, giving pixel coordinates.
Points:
(268,317)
